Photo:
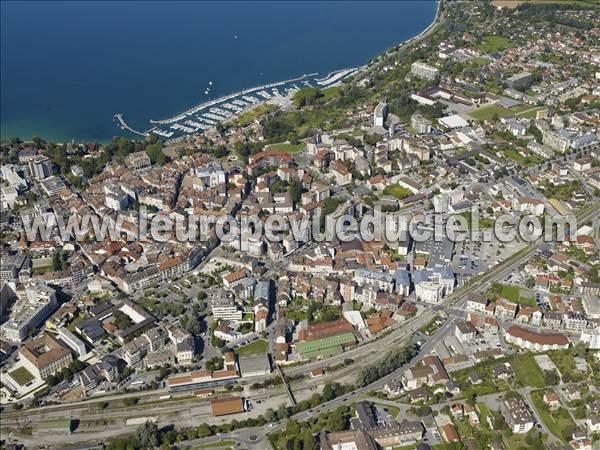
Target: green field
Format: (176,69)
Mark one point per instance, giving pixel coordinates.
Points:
(520,159)
(487,112)
(55,424)
(527,372)
(563,191)
(395,190)
(525,110)
(21,376)
(250,116)
(290,148)
(559,422)
(512,293)
(479,61)
(432,325)
(493,44)
(565,362)
(485,412)
(330,92)
(518,440)
(253,348)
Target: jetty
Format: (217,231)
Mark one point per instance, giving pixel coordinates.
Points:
(219,100)
(124,126)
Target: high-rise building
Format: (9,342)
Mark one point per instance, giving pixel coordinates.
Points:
(40,167)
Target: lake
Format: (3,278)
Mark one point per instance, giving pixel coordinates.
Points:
(68,67)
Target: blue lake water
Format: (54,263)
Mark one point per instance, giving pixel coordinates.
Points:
(67,67)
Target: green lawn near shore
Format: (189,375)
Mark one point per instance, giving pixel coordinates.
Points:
(250,116)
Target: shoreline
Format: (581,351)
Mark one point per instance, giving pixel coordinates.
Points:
(335,77)
(119,122)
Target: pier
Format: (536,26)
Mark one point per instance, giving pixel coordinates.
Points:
(334,76)
(208,114)
(124,125)
(214,102)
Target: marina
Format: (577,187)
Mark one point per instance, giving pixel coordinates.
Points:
(208,114)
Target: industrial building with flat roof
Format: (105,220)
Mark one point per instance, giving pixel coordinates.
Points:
(317,331)
(226,406)
(254,365)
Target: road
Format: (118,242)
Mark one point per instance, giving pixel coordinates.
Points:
(397,336)
(245,436)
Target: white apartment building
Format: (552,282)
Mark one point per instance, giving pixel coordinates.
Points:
(423,70)
(517,415)
(40,167)
(432,285)
(380,114)
(536,342)
(382,280)
(226,309)
(591,338)
(476,303)
(29,312)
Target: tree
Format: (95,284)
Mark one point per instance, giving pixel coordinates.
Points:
(157,156)
(315,400)
(335,421)
(52,380)
(147,435)
(283,411)
(471,398)
(307,96)
(214,363)
(308,441)
(58,260)
(122,320)
(332,390)
(203,431)
(295,190)
(270,415)
(550,377)
(130,401)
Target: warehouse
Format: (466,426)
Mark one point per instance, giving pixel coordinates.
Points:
(226,406)
(254,365)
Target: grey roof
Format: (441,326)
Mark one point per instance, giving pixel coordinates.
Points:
(383,276)
(366,418)
(92,328)
(402,277)
(263,290)
(254,363)
(424,275)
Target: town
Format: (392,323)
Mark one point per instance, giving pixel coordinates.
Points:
(299,343)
